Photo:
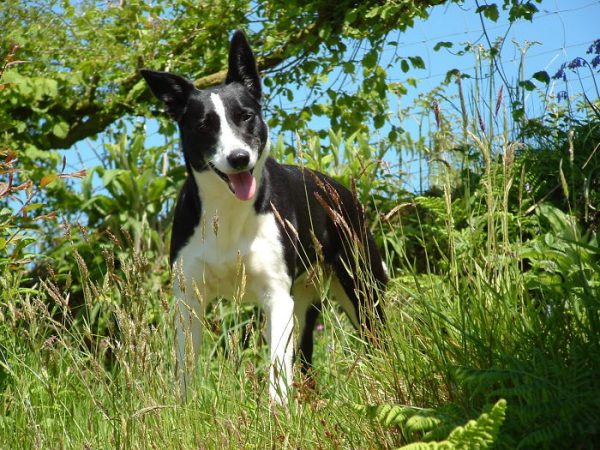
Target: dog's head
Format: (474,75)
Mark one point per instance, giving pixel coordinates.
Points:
(221,128)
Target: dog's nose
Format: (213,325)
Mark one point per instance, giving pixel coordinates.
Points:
(238,159)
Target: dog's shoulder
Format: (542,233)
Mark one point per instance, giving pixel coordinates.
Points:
(186,217)
(292,186)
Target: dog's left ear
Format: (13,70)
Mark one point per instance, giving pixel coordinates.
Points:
(242,65)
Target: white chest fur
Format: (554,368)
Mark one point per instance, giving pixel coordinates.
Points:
(233,252)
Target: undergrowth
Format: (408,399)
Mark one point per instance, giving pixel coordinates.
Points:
(492,330)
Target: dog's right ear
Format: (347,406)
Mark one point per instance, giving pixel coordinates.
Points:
(173,90)
(242,65)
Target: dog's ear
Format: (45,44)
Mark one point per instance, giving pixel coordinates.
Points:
(242,65)
(171,89)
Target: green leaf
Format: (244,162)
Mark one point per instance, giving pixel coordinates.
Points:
(60,130)
(480,433)
(137,89)
(348,67)
(518,113)
(489,11)
(109,175)
(33,206)
(47,87)
(422,422)
(370,59)
(417,62)
(542,76)
(442,44)
(522,11)
(527,85)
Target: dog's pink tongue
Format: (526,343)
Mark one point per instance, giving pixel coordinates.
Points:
(244,185)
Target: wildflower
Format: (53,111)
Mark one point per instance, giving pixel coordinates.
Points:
(562,95)
(561,73)
(594,48)
(498,100)
(596,61)
(576,63)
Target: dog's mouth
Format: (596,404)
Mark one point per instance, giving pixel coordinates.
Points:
(241,184)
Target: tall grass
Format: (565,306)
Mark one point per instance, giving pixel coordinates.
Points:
(64,386)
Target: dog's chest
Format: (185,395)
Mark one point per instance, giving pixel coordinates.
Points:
(240,257)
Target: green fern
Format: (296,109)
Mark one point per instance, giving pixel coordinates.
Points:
(425,423)
(389,415)
(476,434)
(422,423)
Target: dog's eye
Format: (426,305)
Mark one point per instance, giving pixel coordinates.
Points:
(247,115)
(202,125)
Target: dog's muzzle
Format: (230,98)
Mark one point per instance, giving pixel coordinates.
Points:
(242,184)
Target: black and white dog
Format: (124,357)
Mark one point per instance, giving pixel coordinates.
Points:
(246,226)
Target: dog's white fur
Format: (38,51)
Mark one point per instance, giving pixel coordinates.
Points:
(233,246)
(228,140)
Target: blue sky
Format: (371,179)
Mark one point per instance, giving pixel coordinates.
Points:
(563,29)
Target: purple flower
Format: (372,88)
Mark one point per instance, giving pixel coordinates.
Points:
(561,95)
(594,48)
(576,63)
(561,73)
(596,61)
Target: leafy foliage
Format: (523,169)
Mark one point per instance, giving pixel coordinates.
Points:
(496,265)
(71,88)
(480,433)
(562,168)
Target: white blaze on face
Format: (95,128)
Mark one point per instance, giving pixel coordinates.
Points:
(242,184)
(228,141)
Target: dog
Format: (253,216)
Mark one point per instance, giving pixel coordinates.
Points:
(242,215)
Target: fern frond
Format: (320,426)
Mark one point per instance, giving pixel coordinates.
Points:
(480,433)
(388,414)
(445,445)
(476,434)
(439,433)
(422,422)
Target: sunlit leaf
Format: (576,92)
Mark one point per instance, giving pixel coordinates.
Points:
(47,179)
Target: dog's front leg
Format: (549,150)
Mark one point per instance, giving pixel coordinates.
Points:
(188,323)
(280,326)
